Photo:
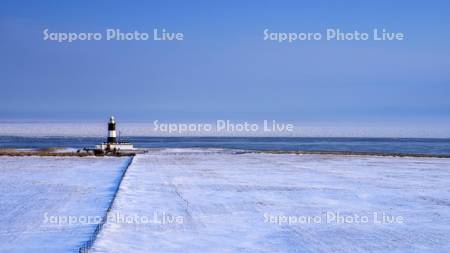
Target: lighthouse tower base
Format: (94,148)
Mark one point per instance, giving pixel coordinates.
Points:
(115,146)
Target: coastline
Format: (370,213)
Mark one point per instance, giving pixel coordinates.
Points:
(55,151)
(352,153)
(52,151)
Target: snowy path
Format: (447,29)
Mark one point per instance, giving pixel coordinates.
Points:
(225,200)
(35,191)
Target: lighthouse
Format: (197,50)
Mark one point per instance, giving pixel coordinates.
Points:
(113,144)
(112,136)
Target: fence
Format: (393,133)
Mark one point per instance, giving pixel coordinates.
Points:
(88,244)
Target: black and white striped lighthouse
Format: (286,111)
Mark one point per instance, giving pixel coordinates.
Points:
(112,136)
(113,144)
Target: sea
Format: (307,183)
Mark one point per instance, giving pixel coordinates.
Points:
(379,145)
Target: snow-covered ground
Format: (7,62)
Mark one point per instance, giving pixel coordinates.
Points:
(37,192)
(185,200)
(198,200)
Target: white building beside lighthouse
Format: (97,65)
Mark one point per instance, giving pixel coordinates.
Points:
(112,142)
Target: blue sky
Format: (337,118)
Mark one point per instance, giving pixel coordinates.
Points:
(224,69)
